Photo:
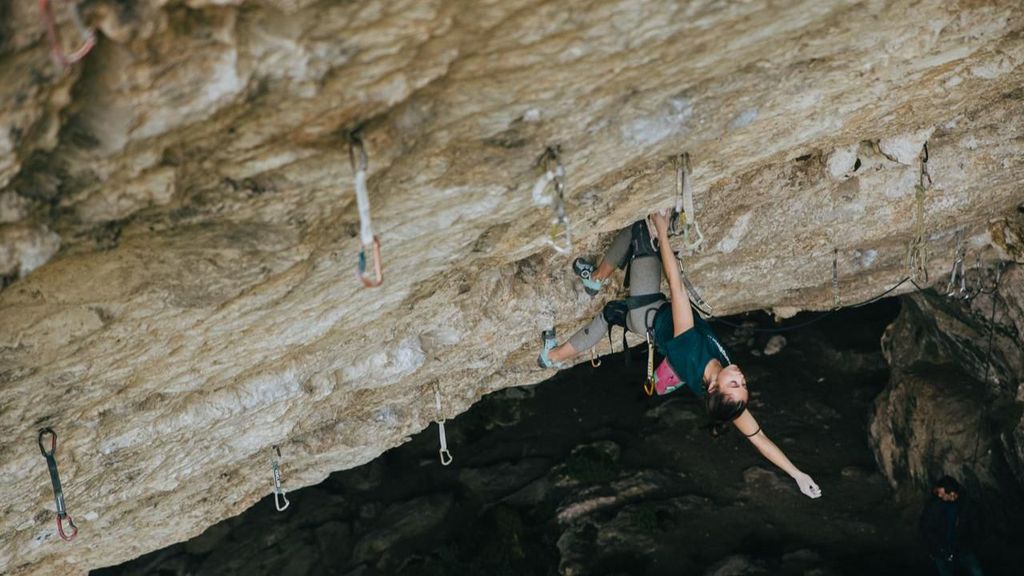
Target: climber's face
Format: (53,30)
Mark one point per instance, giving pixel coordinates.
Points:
(731,383)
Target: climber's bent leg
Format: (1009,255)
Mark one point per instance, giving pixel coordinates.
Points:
(588,336)
(617,255)
(644,279)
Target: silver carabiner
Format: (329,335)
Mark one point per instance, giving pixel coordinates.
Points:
(279,493)
(446,456)
(957,275)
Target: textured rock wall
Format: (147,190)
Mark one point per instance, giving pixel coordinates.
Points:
(952,407)
(178,229)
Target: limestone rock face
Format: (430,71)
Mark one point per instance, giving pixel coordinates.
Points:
(953,405)
(178,230)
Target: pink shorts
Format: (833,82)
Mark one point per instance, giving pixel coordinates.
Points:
(665,378)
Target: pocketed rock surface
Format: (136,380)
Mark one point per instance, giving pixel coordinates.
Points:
(178,229)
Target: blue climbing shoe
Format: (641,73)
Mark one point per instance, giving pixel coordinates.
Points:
(585,270)
(548,341)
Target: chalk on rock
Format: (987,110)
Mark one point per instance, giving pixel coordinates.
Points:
(905,148)
(775,345)
(785,312)
(841,162)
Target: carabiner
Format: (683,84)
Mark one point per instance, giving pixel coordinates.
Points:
(53,442)
(279,493)
(88,37)
(957,275)
(677,222)
(60,528)
(378,274)
(649,384)
(446,456)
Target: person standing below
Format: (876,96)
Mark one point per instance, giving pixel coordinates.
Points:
(949,527)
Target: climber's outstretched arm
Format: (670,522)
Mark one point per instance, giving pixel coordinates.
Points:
(682,314)
(750,428)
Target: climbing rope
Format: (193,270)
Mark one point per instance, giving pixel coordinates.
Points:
(917,255)
(836,302)
(988,356)
(60,57)
(554,172)
(691,290)
(446,456)
(956,274)
(357,156)
(279,493)
(684,216)
(58,492)
(707,314)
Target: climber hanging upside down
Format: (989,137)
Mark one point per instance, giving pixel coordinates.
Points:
(693,356)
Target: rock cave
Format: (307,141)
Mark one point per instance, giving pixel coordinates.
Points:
(180,303)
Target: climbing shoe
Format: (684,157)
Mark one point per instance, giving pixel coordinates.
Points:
(585,270)
(547,338)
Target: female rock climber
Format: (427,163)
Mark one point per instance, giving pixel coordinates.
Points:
(693,355)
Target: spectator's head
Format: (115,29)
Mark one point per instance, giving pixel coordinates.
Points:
(947,489)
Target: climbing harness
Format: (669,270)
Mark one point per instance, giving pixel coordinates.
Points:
(446,456)
(956,274)
(279,493)
(58,492)
(684,216)
(554,172)
(836,302)
(60,57)
(366,236)
(917,256)
(615,313)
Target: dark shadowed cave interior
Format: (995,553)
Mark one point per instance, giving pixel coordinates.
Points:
(584,474)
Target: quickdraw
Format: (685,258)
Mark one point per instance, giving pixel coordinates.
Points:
(956,274)
(649,383)
(917,256)
(58,493)
(358,159)
(279,493)
(446,456)
(88,37)
(684,216)
(551,163)
(836,302)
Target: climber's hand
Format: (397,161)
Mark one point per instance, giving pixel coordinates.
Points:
(660,220)
(807,485)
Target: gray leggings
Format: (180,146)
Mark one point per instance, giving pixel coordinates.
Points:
(644,278)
